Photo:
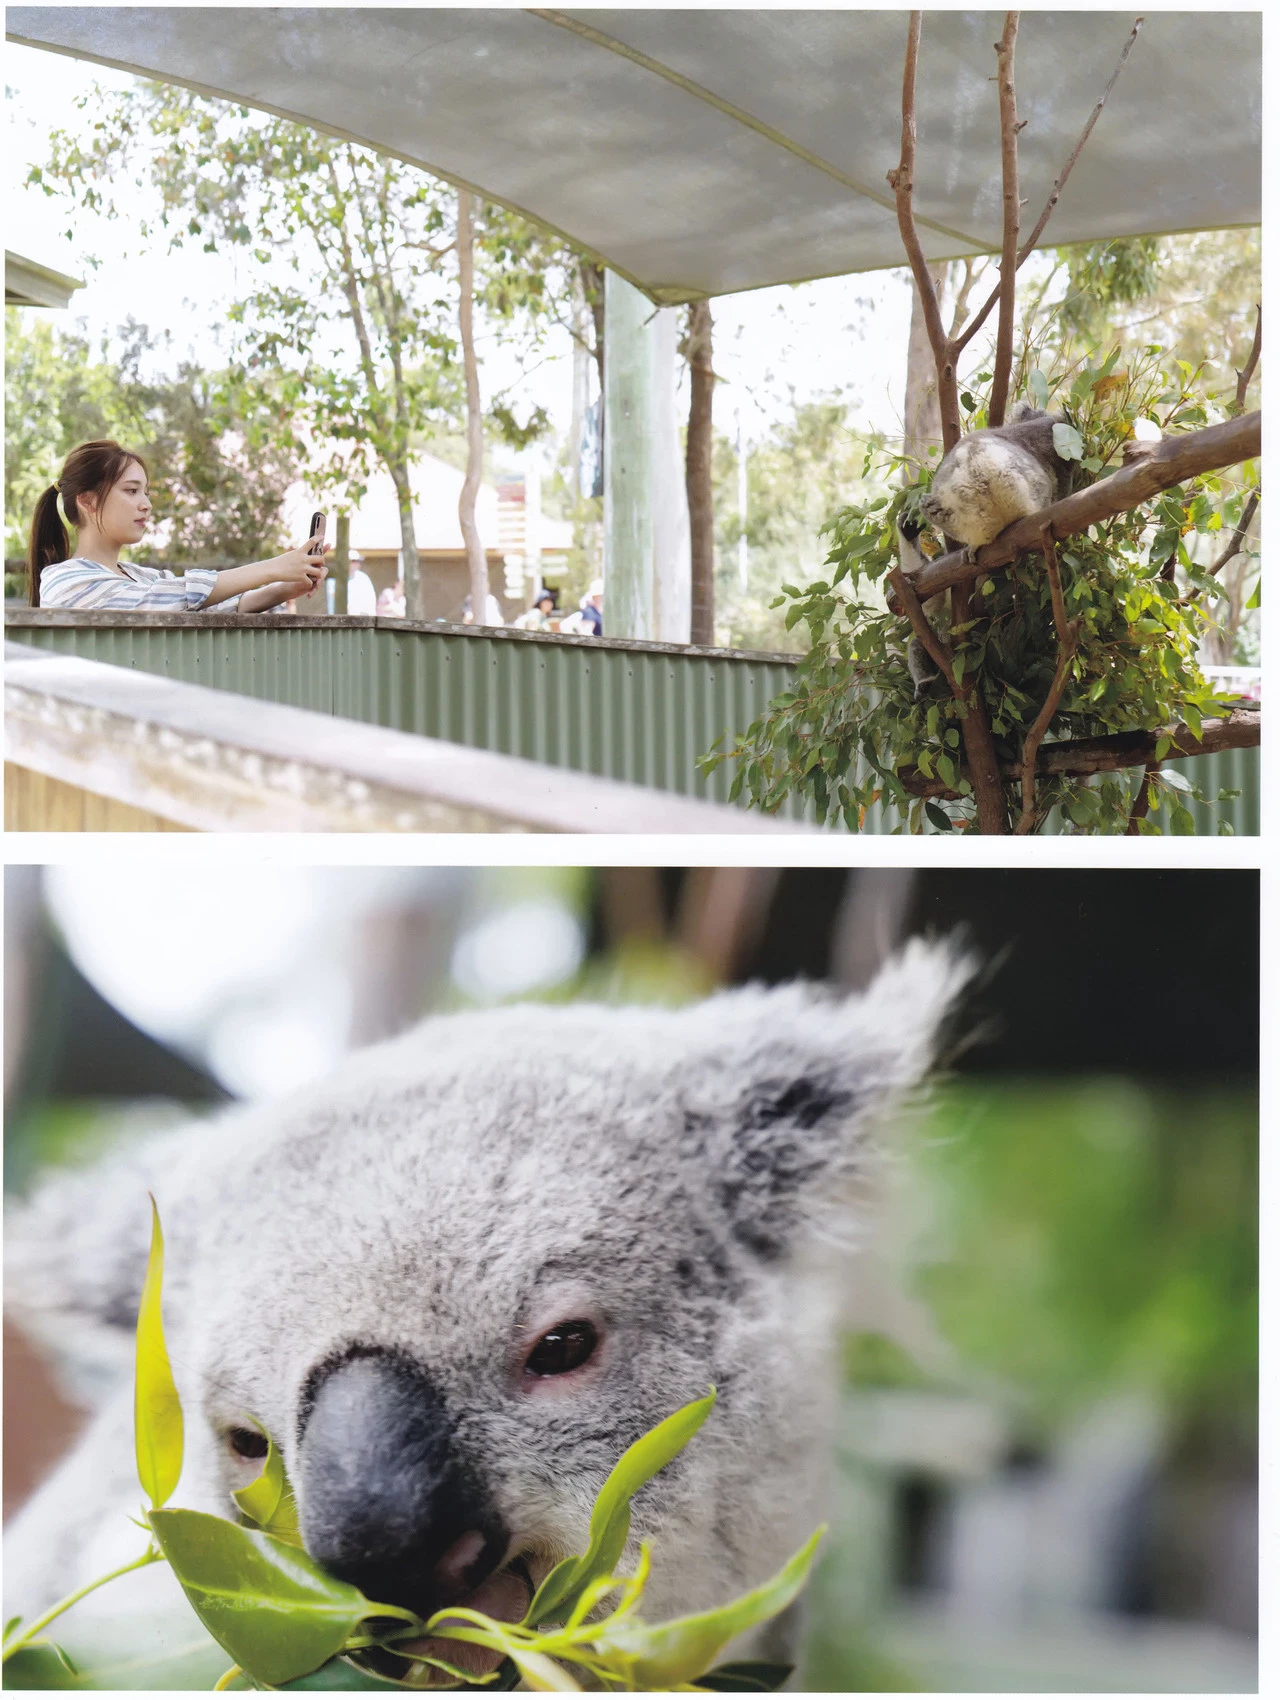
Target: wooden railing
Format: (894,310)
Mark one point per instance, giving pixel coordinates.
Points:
(164,753)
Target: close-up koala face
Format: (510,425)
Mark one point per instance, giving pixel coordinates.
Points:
(457,1280)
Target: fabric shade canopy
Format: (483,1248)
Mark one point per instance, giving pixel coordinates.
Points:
(702,152)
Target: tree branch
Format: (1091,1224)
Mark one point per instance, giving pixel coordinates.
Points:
(1170,462)
(1068,637)
(1141,799)
(1076,758)
(1244,376)
(1238,536)
(1003,365)
(959,344)
(939,654)
(901,181)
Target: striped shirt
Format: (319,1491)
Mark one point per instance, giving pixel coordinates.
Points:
(81,583)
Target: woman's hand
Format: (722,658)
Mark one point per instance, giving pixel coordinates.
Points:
(301,569)
(264,584)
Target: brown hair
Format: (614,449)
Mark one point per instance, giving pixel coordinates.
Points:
(90,470)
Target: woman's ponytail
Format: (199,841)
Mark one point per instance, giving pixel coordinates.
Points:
(90,470)
(49,540)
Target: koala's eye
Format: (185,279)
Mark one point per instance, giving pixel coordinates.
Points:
(566,1346)
(247,1442)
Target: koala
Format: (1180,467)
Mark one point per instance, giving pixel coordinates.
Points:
(995,476)
(454,1281)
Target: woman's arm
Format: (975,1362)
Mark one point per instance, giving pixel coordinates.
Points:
(264,584)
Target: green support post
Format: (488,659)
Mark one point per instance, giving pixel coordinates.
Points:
(628,460)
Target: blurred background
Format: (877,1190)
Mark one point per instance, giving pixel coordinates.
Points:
(1048,1446)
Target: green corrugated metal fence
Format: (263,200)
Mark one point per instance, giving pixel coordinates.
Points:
(631,711)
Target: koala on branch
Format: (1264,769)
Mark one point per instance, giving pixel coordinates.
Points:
(995,476)
(1162,465)
(454,1282)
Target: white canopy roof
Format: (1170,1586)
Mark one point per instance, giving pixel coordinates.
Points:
(701,152)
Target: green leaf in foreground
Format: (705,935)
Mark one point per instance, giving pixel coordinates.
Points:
(745,1676)
(267,1604)
(664,1654)
(268,1500)
(611,1517)
(157,1414)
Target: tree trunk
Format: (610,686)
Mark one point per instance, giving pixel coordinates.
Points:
(698,476)
(477,565)
(921,414)
(414,606)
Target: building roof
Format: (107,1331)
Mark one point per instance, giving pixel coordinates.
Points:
(699,152)
(29,284)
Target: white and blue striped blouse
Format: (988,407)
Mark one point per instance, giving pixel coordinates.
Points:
(81,583)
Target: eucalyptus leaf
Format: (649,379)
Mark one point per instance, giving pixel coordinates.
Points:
(273,1610)
(611,1517)
(268,1500)
(157,1412)
(745,1676)
(664,1654)
(1067,442)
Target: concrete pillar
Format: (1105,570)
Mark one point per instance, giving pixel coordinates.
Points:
(646,516)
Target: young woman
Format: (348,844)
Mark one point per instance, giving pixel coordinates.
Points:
(102,492)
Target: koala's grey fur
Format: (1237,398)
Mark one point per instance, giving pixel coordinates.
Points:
(995,476)
(690,1177)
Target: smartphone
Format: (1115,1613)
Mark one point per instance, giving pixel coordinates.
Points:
(317,524)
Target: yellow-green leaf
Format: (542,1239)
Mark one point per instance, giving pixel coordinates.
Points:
(265,1603)
(157,1412)
(661,1655)
(268,1500)
(611,1517)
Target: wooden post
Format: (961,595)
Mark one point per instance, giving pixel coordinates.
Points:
(341,563)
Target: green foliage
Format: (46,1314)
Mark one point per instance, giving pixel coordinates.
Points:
(346,338)
(283,1619)
(1098,1236)
(853,732)
(264,1601)
(801,470)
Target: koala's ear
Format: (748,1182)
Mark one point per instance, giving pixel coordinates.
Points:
(788,1086)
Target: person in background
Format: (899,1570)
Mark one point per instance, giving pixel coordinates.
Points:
(102,492)
(538,618)
(362,598)
(391,602)
(589,620)
(492,612)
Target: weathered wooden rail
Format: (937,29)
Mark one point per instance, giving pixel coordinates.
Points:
(92,746)
(638,713)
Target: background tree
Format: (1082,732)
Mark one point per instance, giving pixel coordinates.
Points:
(350,328)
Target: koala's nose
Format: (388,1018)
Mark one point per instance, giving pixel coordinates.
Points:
(385,1502)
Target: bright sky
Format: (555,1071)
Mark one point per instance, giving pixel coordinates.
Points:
(773,347)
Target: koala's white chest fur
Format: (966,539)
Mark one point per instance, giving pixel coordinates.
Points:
(986,483)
